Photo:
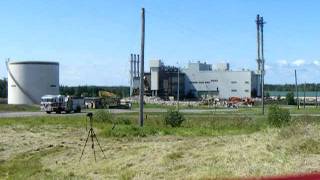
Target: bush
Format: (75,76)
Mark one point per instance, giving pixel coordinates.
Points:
(277,116)
(103,116)
(174,118)
(290,98)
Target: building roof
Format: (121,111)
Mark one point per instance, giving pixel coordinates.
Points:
(34,62)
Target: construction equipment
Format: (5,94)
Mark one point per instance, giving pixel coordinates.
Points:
(61,103)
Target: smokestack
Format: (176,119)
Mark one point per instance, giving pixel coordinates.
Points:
(134,65)
(131,74)
(138,64)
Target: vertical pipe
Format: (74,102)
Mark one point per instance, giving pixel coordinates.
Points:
(131,74)
(262,72)
(142,67)
(138,64)
(297,93)
(134,65)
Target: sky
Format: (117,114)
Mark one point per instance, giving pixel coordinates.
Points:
(92,40)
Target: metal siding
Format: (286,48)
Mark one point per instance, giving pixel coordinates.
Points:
(224,81)
(34,78)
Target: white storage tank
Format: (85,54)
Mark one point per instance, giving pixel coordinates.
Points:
(28,81)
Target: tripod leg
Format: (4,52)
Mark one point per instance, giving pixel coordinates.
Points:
(94,134)
(84,145)
(94,152)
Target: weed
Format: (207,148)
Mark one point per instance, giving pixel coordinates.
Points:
(309,146)
(277,116)
(174,118)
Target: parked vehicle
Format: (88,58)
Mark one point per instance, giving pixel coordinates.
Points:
(61,103)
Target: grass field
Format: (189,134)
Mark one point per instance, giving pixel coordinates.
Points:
(207,146)
(16,108)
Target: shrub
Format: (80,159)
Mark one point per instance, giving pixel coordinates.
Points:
(174,118)
(277,116)
(103,116)
(290,98)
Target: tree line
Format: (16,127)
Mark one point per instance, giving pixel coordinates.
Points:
(87,91)
(93,91)
(123,91)
(291,87)
(3,88)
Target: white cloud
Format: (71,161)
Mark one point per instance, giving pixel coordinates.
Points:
(267,67)
(283,62)
(299,62)
(317,63)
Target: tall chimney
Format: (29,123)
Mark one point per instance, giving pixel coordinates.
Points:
(131,74)
(134,65)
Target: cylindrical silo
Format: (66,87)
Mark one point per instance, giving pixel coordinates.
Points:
(28,81)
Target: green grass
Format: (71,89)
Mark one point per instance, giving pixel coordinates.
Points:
(16,108)
(127,126)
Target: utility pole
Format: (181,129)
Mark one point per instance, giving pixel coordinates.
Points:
(142,68)
(304,95)
(262,72)
(297,93)
(316,98)
(258,43)
(178,88)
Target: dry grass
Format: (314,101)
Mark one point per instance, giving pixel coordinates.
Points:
(53,151)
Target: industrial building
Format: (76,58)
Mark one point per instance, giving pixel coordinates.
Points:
(203,80)
(28,81)
(199,80)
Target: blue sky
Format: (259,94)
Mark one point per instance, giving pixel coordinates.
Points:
(92,40)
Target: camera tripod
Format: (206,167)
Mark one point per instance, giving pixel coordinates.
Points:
(92,135)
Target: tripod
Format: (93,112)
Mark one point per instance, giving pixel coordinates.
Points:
(93,136)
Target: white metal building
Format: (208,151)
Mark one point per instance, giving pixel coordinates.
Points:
(202,80)
(28,81)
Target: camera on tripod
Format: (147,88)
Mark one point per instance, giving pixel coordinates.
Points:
(92,135)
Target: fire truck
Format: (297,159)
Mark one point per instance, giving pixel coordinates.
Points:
(61,103)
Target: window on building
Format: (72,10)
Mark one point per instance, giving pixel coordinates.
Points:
(214,80)
(246,90)
(233,82)
(13,85)
(233,90)
(53,85)
(247,82)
